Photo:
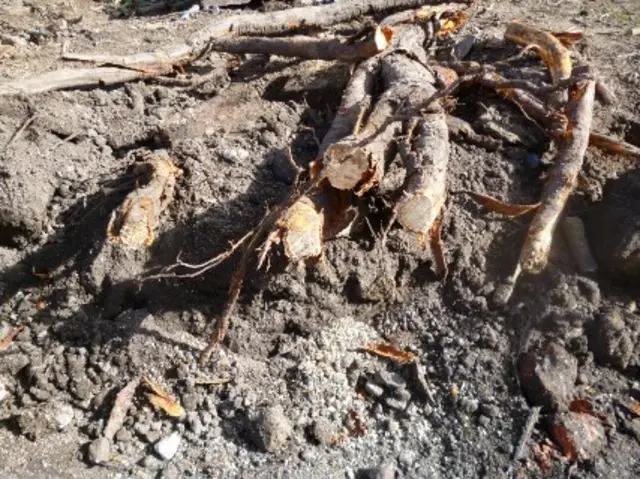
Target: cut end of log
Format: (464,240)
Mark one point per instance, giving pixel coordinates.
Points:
(302,231)
(418,212)
(346,166)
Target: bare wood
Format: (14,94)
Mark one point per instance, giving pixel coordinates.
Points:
(551,50)
(357,162)
(425,154)
(295,18)
(307,47)
(134,224)
(355,104)
(73,78)
(614,146)
(562,180)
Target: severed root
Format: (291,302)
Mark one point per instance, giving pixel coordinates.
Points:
(425,154)
(497,206)
(549,47)
(357,162)
(302,230)
(307,47)
(134,224)
(614,146)
(562,179)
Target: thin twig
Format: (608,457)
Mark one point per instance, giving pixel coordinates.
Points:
(532,420)
(16,134)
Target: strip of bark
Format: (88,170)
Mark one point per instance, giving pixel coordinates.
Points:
(121,406)
(135,223)
(614,146)
(562,179)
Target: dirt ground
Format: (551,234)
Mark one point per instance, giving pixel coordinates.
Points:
(302,400)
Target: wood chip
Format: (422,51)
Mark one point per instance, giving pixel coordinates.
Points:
(161,400)
(390,351)
(8,338)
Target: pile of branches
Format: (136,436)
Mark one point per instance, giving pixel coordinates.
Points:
(396,104)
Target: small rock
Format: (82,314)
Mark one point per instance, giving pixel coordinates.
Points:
(395,403)
(323,431)
(386,470)
(272,429)
(609,339)
(3,392)
(234,155)
(99,451)
(469,405)
(63,416)
(390,380)
(167,447)
(489,410)
(308,455)
(548,377)
(406,459)
(580,436)
(373,389)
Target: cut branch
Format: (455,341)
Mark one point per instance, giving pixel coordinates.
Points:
(307,47)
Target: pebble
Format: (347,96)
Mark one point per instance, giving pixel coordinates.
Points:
(308,455)
(234,155)
(390,380)
(373,389)
(549,377)
(395,403)
(386,470)
(63,416)
(469,405)
(99,451)
(489,410)
(167,447)
(272,429)
(3,392)
(609,339)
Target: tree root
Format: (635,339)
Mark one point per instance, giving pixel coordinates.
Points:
(134,224)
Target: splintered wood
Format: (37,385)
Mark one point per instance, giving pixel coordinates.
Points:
(135,223)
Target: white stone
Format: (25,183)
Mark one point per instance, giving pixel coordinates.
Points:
(168,446)
(3,392)
(64,416)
